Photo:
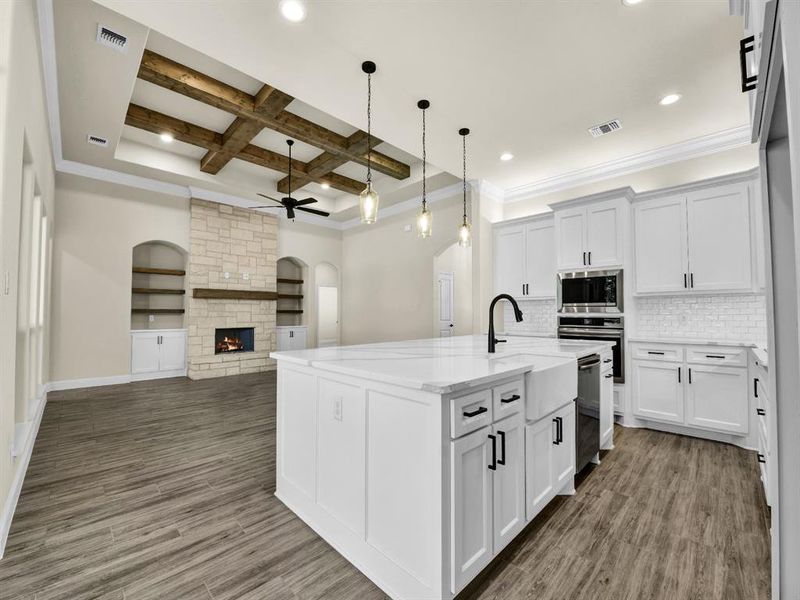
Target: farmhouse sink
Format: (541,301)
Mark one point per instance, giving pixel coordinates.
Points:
(551,382)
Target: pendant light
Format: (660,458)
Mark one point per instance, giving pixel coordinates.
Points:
(369,199)
(424,218)
(465,231)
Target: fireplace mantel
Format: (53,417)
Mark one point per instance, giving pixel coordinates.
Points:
(221,294)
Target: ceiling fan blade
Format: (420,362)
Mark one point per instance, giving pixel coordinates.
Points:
(304,202)
(314,211)
(266,206)
(269,198)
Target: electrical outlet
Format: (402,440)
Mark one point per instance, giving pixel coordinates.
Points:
(226,275)
(151,318)
(337,408)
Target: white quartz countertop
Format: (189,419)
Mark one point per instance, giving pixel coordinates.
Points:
(444,365)
(690,341)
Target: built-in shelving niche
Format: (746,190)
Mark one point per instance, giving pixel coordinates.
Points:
(291,291)
(158,286)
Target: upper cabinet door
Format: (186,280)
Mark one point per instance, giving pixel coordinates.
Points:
(719,238)
(540,259)
(570,231)
(509,260)
(604,234)
(660,252)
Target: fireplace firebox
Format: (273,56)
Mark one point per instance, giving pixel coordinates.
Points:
(234,339)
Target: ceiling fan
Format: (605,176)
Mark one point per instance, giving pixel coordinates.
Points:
(289,203)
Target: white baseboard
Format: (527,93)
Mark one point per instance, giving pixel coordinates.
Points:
(158,375)
(22,460)
(73,384)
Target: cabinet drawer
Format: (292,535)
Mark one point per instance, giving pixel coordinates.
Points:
(508,398)
(663,352)
(470,412)
(716,355)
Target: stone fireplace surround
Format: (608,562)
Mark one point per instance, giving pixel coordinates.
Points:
(242,243)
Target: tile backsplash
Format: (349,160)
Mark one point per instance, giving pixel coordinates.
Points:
(713,317)
(538,317)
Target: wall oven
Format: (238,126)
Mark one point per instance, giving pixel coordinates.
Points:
(603,329)
(590,292)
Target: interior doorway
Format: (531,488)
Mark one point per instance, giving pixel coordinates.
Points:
(452,291)
(326,277)
(445,285)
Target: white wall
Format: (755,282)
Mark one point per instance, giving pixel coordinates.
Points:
(23,121)
(97,228)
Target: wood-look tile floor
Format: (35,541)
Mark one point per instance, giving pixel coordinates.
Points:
(163,490)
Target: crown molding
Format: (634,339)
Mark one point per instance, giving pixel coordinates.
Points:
(47,42)
(696,147)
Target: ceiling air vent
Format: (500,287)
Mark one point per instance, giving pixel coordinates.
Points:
(96,140)
(112,39)
(605,128)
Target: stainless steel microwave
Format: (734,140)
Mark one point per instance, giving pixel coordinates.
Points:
(590,292)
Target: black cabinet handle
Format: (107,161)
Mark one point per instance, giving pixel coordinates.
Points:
(755,387)
(476,412)
(556,442)
(679,374)
(746,46)
(510,399)
(685,283)
(609,376)
(656,353)
(761,458)
(690,374)
(691,280)
(560,429)
(715,356)
(608,360)
(590,257)
(584,259)
(493,466)
(761,412)
(502,460)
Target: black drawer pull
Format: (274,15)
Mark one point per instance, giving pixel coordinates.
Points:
(609,376)
(493,466)
(755,387)
(656,353)
(761,412)
(560,429)
(556,441)
(715,356)
(513,398)
(476,412)
(608,360)
(502,459)
(746,46)
(761,458)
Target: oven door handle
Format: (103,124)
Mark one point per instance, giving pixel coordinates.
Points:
(587,366)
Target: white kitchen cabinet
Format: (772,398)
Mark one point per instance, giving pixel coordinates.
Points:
(157,353)
(524,259)
(716,398)
(292,338)
(564,453)
(607,407)
(589,235)
(719,238)
(658,391)
(509,480)
(660,257)
(509,260)
(540,259)
(472,500)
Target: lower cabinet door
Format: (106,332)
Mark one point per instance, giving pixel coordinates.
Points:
(509,480)
(173,351)
(607,410)
(717,398)
(540,440)
(284,342)
(658,390)
(472,496)
(564,451)
(144,353)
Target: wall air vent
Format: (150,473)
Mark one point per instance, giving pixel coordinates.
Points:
(96,140)
(112,39)
(605,128)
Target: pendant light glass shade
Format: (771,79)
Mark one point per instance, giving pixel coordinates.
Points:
(424,222)
(465,231)
(369,199)
(465,235)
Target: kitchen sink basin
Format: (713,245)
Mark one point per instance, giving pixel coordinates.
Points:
(551,382)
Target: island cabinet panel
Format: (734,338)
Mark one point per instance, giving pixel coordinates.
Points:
(404,446)
(341,485)
(509,481)
(298,424)
(472,498)
(540,439)
(607,402)
(564,453)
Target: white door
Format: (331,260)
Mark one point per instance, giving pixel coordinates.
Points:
(607,409)
(658,390)
(144,353)
(509,260)
(603,234)
(570,233)
(660,253)
(327,316)
(471,497)
(173,351)
(540,439)
(509,480)
(540,260)
(717,398)
(719,238)
(445,285)
(564,450)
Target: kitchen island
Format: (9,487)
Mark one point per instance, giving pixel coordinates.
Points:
(419,461)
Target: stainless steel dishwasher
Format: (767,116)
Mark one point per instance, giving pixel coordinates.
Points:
(587,422)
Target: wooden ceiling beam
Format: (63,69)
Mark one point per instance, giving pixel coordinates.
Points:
(156,122)
(184,80)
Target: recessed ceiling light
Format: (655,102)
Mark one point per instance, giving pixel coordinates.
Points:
(293,10)
(325,186)
(167,137)
(506,156)
(669,99)
(631,2)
